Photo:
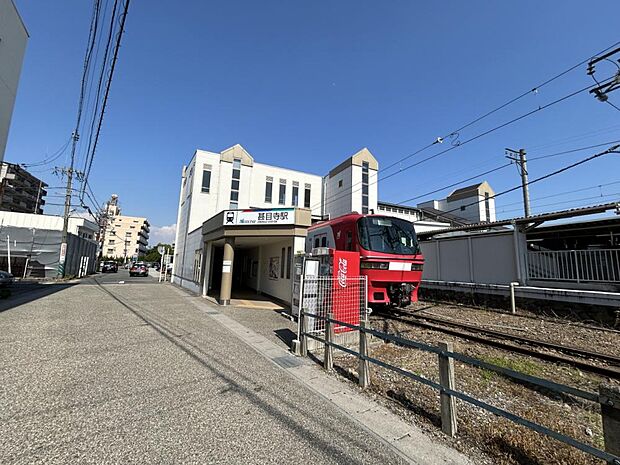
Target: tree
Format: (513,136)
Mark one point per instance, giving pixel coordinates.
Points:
(153,255)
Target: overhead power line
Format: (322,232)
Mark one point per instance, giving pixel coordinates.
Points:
(613,149)
(564,202)
(500,167)
(337,196)
(75,135)
(102,74)
(117,45)
(534,89)
(57,154)
(455,132)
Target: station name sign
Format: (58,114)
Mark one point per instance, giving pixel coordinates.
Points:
(259,217)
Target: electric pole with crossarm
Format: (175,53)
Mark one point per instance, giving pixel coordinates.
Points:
(522,165)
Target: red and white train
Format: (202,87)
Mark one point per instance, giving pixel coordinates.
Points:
(388,249)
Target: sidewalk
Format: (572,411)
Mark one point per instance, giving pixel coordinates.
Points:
(145,373)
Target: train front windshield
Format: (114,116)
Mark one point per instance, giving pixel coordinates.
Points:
(387,235)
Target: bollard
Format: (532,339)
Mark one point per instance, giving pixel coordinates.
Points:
(302,335)
(447,402)
(328,354)
(363,367)
(610,413)
(513,304)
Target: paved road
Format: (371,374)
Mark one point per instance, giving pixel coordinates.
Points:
(103,372)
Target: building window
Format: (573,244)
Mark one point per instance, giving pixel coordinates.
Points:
(111,242)
(365,188)
(268,189)
(295,193)
(234,186)
(340,183)
(487,206)
(307,196)
(282,195)
(282,264)
(288,262)
(316,242)
(206,178)
(324,241)
(110,251)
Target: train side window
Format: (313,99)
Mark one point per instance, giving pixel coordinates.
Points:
(316,242)
(324,241)
(349,243)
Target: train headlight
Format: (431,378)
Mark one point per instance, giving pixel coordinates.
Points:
(375,265)
(416,267)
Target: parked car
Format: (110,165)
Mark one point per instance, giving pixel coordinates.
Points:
(6,279)
(109,267)
(138,269)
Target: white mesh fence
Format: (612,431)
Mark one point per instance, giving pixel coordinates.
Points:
(345,298)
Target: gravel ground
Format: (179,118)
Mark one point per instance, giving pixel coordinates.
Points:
(481,434)
(136,375)
(557,331)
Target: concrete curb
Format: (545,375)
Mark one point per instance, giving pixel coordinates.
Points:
(408,441)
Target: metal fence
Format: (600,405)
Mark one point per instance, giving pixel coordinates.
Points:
(608,396)
(344,298)
(575,265)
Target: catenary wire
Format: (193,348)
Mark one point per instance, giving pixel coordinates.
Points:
(613,149)
(471,139)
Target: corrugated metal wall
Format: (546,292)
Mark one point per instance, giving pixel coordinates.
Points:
(40,250)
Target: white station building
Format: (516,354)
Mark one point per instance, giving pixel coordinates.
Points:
(240,222)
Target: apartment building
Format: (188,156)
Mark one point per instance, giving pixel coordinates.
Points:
(469,204)
(13,40)
(123,236)
(20,191)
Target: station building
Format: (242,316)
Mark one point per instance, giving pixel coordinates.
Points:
(240,222)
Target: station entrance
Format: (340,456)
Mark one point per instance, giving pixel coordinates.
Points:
(251,263)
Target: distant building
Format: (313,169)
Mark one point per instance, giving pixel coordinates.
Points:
(422,221)
(123,236)
(20,191)
(471,204)
(13,40)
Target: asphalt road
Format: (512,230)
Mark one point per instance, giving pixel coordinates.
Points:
(102,372)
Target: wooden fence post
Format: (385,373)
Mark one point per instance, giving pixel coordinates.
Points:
(447,402)
(610,412)
(363,366)
(328,354)
(302,335)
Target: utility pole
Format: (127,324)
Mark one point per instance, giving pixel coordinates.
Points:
(522,165)
(65,224)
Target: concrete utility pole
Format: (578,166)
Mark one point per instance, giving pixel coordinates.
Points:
(522,164)
(65,224)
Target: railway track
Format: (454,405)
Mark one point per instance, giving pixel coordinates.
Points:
(521,344)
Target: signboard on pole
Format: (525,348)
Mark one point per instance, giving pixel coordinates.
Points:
(274,216)
(63,252)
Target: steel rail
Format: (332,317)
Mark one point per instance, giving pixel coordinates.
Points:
(526,340)
(611,372)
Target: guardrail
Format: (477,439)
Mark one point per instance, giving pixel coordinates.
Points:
(575,265)
(608,396)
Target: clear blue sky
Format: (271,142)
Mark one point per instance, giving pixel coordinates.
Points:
(306,84)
